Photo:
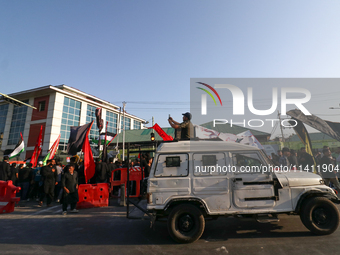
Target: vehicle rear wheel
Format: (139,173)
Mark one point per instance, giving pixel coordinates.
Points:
(186,223)
(320,216)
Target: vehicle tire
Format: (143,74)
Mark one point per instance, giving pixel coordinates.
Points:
(320,216)
(186,223)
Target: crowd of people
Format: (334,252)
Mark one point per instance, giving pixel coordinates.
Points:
(325,163)
(56,182)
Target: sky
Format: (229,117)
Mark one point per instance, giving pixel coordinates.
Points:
(146,52)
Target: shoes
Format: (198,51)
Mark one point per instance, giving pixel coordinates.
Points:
(40,204)
(64,213)
(74,211)
(57,201)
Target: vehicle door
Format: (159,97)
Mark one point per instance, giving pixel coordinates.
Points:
(252,187)
(210,180)
(170,177)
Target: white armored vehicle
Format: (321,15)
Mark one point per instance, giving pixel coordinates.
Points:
(191,181)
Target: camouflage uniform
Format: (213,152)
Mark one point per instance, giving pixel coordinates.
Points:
(187,129)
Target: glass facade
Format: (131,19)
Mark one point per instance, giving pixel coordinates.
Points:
(17,124)
(137,124)
(91,115)
(3,116)
(112,120)
(70,118)
(127,123)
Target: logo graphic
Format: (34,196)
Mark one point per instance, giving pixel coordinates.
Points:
(239,99)
(204,97)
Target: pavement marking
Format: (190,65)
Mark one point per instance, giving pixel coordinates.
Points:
(41,211)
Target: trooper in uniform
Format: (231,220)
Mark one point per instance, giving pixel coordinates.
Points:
(187,129)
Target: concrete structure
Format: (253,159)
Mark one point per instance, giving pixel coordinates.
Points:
(58,108)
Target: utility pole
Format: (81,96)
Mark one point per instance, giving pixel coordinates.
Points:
(283,138)
(124,103)
(153,121)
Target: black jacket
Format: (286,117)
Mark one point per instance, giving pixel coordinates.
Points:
(25,174)
(70,181)
(49,177)
(5,171)
(101,172)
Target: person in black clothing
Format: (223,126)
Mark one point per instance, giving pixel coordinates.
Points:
(14,173)
(5,171)
(147,168)
(293,158)
(69,183)
(101,171)
(327,164)
(306,160)
(72,161)
(49,175)
(111,166)
(25,179)
(81,174)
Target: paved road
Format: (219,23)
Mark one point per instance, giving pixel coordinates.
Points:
(96,231)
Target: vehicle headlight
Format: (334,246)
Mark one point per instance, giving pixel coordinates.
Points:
(322,181)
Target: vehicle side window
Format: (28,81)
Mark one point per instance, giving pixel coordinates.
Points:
(247,163)
(172,165)
(210,164)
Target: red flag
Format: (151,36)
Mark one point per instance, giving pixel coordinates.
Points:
(54,148)
(161,133)
(89,165)
(37,149)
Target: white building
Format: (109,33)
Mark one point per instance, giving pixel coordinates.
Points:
(58,108)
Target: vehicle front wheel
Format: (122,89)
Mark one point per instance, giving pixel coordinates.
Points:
(320,216)
(186,223)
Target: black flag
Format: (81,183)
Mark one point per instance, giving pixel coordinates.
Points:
(330,128)
(77,137)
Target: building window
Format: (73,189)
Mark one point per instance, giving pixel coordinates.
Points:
(3,116)
(137,124)
(17,124)
(91,115)
(127,122)
(70,118)
(111,119)
(41,106)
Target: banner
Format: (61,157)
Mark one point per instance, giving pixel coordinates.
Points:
(89,165)
(246,137)
(110,137)
(52,151)
(20,147)
(302,133)
(77,137)
(161,133)
(37,149)
(329,128)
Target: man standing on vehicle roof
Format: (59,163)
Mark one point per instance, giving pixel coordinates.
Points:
(187,129)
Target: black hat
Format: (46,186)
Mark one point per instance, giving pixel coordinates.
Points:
(187,114)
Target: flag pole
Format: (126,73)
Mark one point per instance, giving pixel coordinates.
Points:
(124,103)
(105,147)
(112,139)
